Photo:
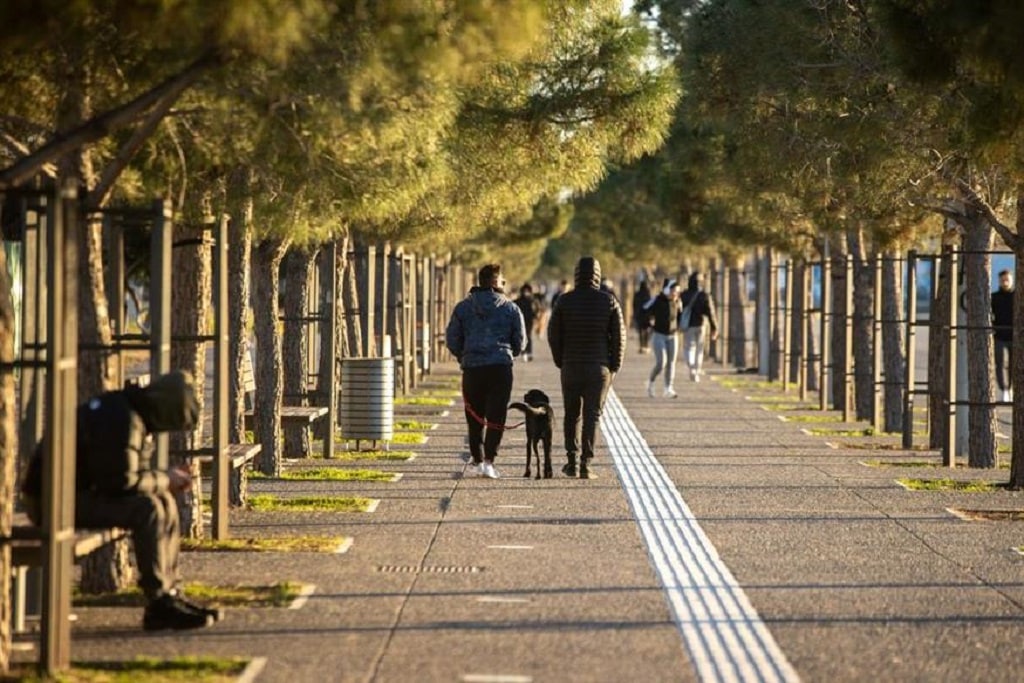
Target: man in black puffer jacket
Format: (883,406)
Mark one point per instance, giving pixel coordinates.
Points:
(588,343)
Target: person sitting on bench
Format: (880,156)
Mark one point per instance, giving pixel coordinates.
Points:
(117,486)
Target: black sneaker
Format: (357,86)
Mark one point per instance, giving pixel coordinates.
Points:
(585,473)
(216,612)
(166,613)
(569,469)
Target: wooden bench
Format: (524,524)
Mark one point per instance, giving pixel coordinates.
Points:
(26,543)
(291,416)
(239,456)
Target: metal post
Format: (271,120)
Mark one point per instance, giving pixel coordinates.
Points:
(910,351)
(848,384)
(949,443)
(787,326)
(329,317)
(825,352)
(221,360)
(160,309)
(876,349)
(763,311)
(804,361)
(59,441)
(723,322)
(114,238)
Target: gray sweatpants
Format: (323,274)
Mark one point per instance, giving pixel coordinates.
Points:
(665,348)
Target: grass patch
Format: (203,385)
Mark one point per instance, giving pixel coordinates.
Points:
(902,463)
(414,425)
(1004,449)
(328,474)
(875,446)
(147,670)
(284,544)
(408,438)
(737,383)
(423,401)
(992,516)
(268,503)
(812,418)
(950,485)
(277,595)
(867,431)
(782,406)
(384,456)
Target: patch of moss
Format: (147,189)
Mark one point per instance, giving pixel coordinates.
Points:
(352,456)
(147,669)
(408,438)
(329,474)
(950,485)
(269,503)
(991,516)
(901,463)
(276,595)
(812,418)
(867,431)
(288,544)
(782,406)
(423,401)
(414,425)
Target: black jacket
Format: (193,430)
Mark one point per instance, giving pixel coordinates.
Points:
(586,325)
(665,313)
(1002,315)
(702,309)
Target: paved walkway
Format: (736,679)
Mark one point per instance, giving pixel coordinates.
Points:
(719,543)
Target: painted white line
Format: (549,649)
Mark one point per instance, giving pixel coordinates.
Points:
(397,476)
(782,418)
(722,632)
(498,598)
(496,678)
(344,546)
(300,602)
(372,507)
(514,507)
(511,547)
(252,670)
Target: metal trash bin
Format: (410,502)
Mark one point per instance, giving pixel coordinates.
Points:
(367,410)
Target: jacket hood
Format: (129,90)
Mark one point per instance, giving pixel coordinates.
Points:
(588,272)
(168,404)
(692,284)
(485,301)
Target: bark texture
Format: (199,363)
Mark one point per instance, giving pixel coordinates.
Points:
(938,356)
(268,368)
(297,270)
(838,323)
(977,276)
(863,317)
(240,204)
(8,457)
(893,358)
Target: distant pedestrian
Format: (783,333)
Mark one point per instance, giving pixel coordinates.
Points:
(486,333)
(641,320)
(1002,331)
(531,310)
(701,316)
(588,343)
(563,287)
(663,310)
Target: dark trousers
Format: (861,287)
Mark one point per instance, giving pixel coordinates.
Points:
(153,522)
(1004,363)
(584,388)
(486,391)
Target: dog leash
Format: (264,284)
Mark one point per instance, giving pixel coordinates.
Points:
(490,425)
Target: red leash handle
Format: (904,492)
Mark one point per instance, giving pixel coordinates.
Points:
(483,421)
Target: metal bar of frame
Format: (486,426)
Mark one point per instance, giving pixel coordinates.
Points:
(787,326)
(876,348)
(910,350)
(825,333)
(723,322)
(848,358)
(114,272)
(160,309)
(804,361)
(221,362)
(949,443)
(59,441)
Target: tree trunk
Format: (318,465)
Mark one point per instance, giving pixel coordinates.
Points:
(240,203)
(191,292)
(838,323)
(938,355)
(1017,359)
(8,456)
(269,377)
(353,326)
(737,351)
(977,300)
(329,270)
(297,269)
(796,326)
(893,359)
(863,316)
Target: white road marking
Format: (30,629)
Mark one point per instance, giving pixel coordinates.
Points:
(722,632)
(252,670)
(511,547)
(303,598)
(500,599)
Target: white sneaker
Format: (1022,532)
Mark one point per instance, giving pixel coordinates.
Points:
(1006,396)
(694,376)
(670,393)
(487,470)
(650,388)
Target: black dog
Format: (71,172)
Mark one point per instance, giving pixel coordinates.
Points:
(540,418)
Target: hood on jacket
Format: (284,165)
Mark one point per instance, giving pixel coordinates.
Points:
(588,272)
(693,283)
(485,301)
(168,403)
